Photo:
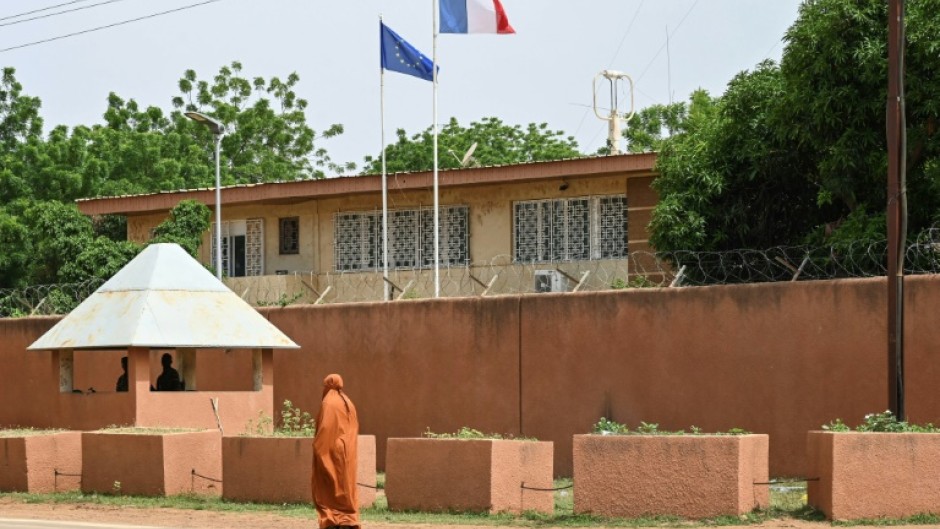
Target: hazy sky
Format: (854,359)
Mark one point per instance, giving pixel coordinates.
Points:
(541,74)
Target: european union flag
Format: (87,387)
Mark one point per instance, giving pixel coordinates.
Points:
(399,56)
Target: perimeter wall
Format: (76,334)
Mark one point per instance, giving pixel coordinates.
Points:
(778,358)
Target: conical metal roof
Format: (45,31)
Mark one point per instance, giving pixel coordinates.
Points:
(163,298)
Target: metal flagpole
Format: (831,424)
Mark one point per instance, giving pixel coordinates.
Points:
(437,219)
(386,285)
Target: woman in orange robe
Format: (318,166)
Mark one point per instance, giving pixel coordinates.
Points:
(335,451)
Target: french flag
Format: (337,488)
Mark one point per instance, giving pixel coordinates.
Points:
(474,16)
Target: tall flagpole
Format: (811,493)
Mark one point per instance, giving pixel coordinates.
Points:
(437,219)
(385,284)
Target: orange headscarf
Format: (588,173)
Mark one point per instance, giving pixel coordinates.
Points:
(335,450)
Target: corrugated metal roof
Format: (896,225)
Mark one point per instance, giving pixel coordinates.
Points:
(362,175)
(630,165)
(163,298)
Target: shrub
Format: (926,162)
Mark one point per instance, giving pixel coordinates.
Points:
(294,423)
(882,422)
(606,426)
(469,433)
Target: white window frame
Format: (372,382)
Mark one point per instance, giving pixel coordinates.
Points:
(548,242)
(418,237)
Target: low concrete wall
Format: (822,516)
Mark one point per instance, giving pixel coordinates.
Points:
(155,464)
(468,475)
(693,476)
(279,469)
(874,475)
(780,359)
(193,409)
(41,462)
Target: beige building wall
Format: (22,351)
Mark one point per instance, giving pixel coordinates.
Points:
(312,271)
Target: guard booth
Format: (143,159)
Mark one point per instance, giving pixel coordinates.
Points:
(163,300)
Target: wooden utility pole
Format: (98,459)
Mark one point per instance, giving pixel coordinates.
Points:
(896,221)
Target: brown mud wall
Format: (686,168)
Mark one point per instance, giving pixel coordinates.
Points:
(779,359)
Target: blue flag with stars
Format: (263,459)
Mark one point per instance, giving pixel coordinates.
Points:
(399,56)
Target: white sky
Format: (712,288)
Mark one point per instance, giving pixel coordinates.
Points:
(543,73)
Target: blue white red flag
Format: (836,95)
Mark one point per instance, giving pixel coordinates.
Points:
(474,16)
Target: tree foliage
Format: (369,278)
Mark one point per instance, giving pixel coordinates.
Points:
(267,137)
(134,150)
(651,126)
(796,153)
(187,222)
(496,143)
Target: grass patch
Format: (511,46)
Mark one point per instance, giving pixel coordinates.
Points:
(918,519)
(143,430)
(27,432)
(183,502)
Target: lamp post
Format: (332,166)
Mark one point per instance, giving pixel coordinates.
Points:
(217,130)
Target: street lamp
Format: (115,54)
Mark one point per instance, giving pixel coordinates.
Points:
(217,130)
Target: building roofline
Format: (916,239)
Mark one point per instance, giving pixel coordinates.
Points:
(633,164)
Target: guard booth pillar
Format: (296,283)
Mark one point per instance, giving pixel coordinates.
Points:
(138,370)
(262,363)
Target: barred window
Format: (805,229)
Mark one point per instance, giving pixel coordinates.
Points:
(570,229)
(289,235)
(357,238)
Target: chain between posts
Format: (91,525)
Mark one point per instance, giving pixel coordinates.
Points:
(522,486)
(55,479)
(194,475)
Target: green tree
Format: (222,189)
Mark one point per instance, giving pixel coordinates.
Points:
(796,153)
(185,226)
(267,137)
(137,150)
(59,233)
(99,259)
(14,250)
(62,246)
(651,126)
(19,113)
(497,143)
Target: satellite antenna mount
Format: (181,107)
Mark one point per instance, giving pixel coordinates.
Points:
(615,117)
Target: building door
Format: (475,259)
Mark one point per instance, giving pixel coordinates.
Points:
(237,263)
(242,247)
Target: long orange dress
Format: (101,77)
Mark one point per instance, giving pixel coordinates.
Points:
(335,451)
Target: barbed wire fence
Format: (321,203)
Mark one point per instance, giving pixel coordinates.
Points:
(501,276)
(44,300)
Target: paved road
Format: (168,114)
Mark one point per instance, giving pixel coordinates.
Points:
(13,523)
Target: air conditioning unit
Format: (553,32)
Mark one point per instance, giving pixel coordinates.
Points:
(550,281)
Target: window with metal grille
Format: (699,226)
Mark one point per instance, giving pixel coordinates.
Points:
(570,229)
(289,235)
(357,238)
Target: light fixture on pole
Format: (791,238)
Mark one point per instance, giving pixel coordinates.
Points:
(217,130)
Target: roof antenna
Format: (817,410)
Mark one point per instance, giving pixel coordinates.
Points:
(614,118)
(668,67)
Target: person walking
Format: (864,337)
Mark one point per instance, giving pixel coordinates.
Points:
(335,451)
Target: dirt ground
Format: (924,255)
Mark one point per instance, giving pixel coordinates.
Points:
(222,520)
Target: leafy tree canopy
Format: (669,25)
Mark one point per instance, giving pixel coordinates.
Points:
(45,239)
(796,153)
(187,222)
(496,143)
